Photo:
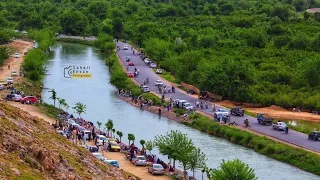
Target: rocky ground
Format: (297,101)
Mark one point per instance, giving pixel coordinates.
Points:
(31,149)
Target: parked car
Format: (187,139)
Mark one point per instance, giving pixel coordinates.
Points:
(131,63)
(70,121)
(139,161)
(100,139)
(315,135)
(152,65)
(114,163)
(130,74)
(159,71)
(187,106)
(156,169)
(237,111)
(146,60)
(10,97)
(158,83)
(10,80)
(145,89)
(280,126)
(29,100)
(181,103)
(221,112)
(86,133)
(125,47)
(264,119)
(1,87)
(128,58)
(14,73)
(17,97)
(99,156)
(113,146)
(16,55)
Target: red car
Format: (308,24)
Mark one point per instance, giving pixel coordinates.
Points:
(29,100)
(130,74)
(130,64)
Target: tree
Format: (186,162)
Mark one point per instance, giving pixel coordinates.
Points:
(176,145)
(61,102)
(234,169)
(79,108)
(131,137)
(53,96)
(120,134)
(149,146)
(197,160)
(142,142)
(109,126)
(99,124)
(73,22)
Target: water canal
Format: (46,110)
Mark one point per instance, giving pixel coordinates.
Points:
(102,104)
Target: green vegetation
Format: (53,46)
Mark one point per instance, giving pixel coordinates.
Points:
(294,156)
(78,41)
(33,64)
(263,52)
(49,110)
(80,108)
(303,126)
(233,170)
(179,147)
(109,126)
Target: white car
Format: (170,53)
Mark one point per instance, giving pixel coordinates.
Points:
(147,60)
(158,83)
(280,126)
(221,112)
(1,87)
(187,106)
(13,73)
(152,65)
(139,161)
(10,80)
(100,139)
(159,71)
(125,47)
(16,55)
(181,103)
(17,98)
(145,89)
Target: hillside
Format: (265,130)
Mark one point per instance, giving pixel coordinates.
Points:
(264,52)
(31,149)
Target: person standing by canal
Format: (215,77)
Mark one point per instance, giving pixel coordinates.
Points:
(159,111)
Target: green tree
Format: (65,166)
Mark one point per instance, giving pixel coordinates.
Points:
(4,37)
(176,145)
(142,142)
(99,124)
(196,160)
(158,49)
(80,108)
(109,126)
(53,96)
(149,146)
(131,137)
(73,22)
(113,132)
(234,169)
(61,102)
(120,134)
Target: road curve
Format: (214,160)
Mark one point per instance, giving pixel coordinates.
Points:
(294,137)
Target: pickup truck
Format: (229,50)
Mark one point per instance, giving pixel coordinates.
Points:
(264,119)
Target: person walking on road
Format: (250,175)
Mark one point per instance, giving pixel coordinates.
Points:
(8,66)
(147,80)
(286,130)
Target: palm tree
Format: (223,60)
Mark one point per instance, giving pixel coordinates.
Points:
(131,138)
(109,125)
(61,102)
(120,134)
(142,142)
(53,96)
(99,124)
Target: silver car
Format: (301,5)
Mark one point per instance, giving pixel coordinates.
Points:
(156,169)
(139,161)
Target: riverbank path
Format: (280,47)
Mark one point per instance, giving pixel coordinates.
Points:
(294,137)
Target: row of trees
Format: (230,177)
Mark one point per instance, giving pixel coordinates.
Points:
(178,146)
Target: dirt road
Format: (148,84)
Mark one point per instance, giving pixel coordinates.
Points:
(127,166)
(15,63)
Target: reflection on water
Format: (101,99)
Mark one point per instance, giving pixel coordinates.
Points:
(102,104)
(304,126)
